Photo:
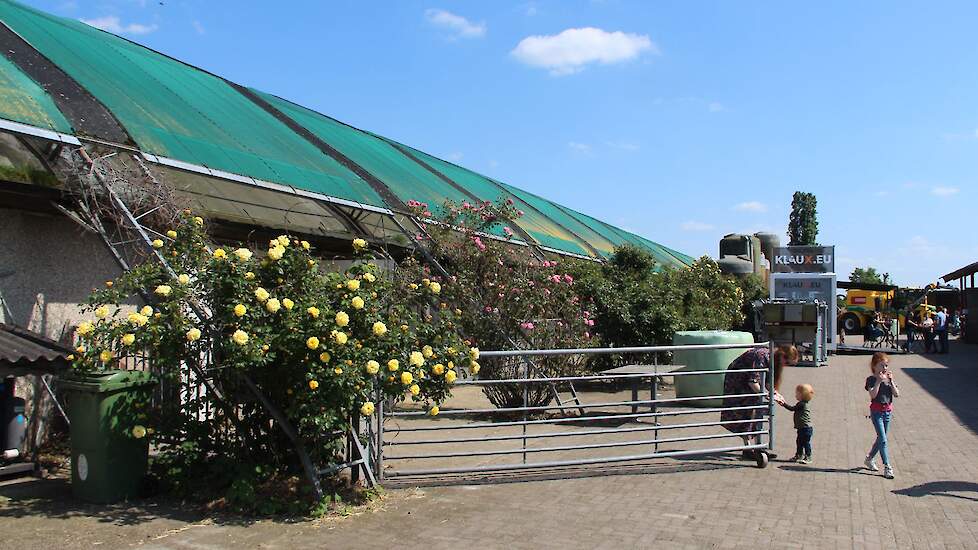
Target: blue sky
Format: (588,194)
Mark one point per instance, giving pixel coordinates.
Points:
(680,120)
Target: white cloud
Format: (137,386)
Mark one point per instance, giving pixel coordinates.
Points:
(199,27)
(751,206)
(715,107)
(573,49)
(458,25)
(579,147)
(942,191)
(113,24)
(695,226)
(624,146)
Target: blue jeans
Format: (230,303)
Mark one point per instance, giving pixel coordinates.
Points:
(804,441)
(881,421)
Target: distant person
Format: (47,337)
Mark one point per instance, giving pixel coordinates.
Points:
(803,422)
(911,326)
(882,390)
(927,327)
(742,388)
(940,328)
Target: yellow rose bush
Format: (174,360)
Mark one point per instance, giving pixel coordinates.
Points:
(316,343)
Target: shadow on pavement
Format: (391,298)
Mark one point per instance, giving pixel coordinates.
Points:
(560,473)
(52,499)
(802,468)
(942,488)
(954,384)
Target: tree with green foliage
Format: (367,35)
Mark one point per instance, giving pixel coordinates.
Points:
(635,304)
(869,275)
(803,221)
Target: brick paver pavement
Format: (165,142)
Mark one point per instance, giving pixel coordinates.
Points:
(694,503)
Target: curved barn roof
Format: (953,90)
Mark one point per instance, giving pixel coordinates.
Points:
(62,79)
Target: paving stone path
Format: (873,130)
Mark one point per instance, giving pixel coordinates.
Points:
(713,502)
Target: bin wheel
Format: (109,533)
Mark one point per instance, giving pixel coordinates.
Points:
(762,459)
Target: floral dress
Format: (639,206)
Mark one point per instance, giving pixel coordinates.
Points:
(737,384)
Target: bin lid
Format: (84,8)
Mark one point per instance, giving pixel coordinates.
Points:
(107,380)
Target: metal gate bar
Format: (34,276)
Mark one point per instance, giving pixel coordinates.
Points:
(758,433)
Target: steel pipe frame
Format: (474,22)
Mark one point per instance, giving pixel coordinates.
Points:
(594,377)
(562,463)
(608,445)
(600,351)
(582,406)
(580,419)
(650,427)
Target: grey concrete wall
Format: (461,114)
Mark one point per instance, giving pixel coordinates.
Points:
(48,266)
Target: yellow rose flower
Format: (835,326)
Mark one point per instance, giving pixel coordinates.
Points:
(85,328)
(276,252)
(261,294)
(105,356)
(198,220)
(369,277)
(435,288)
(249,276)
(157,243)
(353,284)
(138,432)
(240,337)
(70,357)
(413,286)
(450,377)
(313,384)
(273,305)
(367,409)
(406,378)
(427,352)
(183,278)
(283,240)
(433,411)
(243,254)
(380,329)
(312,342)
(146,311)
(474,367)
(220,254)
(305,244)
(373,367)
(80,349)
(415,389)
(337,370)
(438,369)
(163,290)
(287,304)
(137,319)
(313,312)
(473,353)
(359,244)
(357,302)
(325,357)
(339,337)
(108,284)
(172,234)
(102,312)
(393,365)
(417,358)
(128,339)
(342,319)
(240,310)
(193,335)
(404,328)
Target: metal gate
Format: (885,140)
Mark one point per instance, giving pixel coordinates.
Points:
(600,423)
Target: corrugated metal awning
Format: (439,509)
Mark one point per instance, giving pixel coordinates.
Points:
(21,349)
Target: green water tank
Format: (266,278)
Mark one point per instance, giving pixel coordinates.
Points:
(705,360)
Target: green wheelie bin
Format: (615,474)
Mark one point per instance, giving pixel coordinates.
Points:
(108,412)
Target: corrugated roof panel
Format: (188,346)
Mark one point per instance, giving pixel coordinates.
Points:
(23,100)
(173,110)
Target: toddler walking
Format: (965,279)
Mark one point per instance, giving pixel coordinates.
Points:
(803,422)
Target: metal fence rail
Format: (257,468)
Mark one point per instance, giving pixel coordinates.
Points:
(400,436)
